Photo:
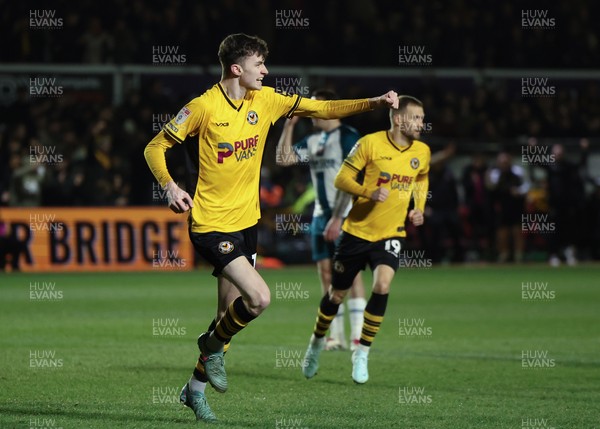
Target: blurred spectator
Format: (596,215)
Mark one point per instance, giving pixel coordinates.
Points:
(592,211)
(443,231)
(9,246)
(478,205)
(62,185)
(26,181)
(97,44)
(566,198)
(508,187)
(271,194)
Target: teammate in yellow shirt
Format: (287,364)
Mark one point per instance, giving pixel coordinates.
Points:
(224,132)
(383,171)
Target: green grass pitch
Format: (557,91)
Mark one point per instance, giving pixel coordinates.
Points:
(458,348)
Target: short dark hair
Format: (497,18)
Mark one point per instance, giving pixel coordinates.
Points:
(403,102)
(325,94)
(237,46)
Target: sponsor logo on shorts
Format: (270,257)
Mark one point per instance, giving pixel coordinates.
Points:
(226,247)
(338,267)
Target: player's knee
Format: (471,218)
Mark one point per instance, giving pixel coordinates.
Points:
(259,302)
(381,288)
(337,296)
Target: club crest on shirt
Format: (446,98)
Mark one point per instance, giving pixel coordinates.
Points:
(414,163)
(226,247)
(182,116)
(252,117)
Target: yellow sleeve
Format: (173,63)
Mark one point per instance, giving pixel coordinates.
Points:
(356,160)
(420,191)
(330,109)
(155,157)
(186,122)
(346,181)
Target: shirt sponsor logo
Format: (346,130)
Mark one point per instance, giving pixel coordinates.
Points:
(396,181)
(242,149)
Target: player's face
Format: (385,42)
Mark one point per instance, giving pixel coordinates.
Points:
(253,72)
(411,121)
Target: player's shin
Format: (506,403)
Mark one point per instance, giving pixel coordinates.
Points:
(235,319)
(325,315)
(373,316)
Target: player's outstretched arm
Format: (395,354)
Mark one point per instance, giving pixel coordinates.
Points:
(388,100)
(285,154)
(179,200)
(335,109)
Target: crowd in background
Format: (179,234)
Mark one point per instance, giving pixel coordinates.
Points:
(491,35)
(68,151)
(473,213)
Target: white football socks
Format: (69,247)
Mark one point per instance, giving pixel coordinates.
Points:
(356,308)
(196,385)
(336,329)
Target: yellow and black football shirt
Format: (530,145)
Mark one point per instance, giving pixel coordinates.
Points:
(383,163)
(228,141)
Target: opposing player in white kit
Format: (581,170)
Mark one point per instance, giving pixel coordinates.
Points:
(324,152)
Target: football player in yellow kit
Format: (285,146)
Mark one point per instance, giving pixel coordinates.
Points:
(224,132)
(383,171)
